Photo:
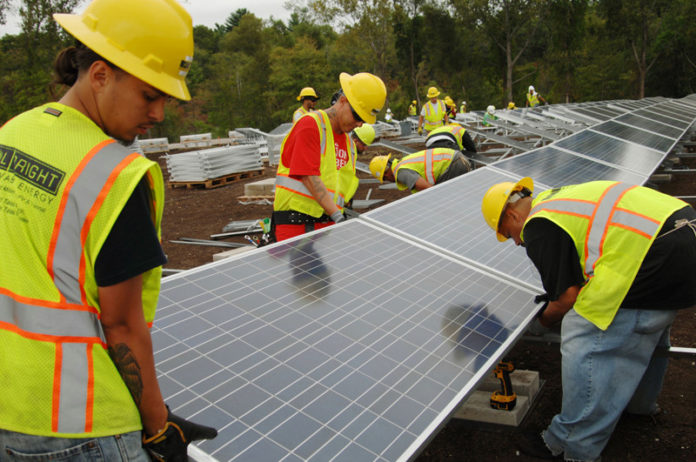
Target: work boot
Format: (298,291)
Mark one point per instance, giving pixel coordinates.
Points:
(530,443)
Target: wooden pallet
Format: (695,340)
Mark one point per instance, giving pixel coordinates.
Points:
(255,198)
(216,182)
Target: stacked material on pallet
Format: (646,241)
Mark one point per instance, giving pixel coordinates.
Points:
(201,140)
(154,145)
(213,163)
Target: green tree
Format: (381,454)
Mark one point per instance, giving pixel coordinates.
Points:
(567,27)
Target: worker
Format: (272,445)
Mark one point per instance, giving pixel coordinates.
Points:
(433,112)
(361,137)
(317,165)
(452,136)
(388,117)
(489,115)
(308,99)
(511,106)
(420,170)
(413,108)
(533,97)
(81,256)
(451,108)
(462,107)
(616,262)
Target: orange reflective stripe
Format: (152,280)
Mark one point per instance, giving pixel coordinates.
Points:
(89,408)
(101,197)
(57,368)
(63,203)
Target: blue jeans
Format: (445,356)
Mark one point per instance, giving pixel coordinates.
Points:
(605,373)
(21,447)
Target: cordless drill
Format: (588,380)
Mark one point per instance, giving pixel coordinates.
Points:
(506,398)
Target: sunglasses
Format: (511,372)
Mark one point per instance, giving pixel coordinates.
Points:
(355,114)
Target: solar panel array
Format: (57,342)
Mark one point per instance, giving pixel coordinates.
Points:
(357,342)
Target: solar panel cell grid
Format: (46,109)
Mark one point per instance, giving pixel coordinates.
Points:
(636,135)
(357,359)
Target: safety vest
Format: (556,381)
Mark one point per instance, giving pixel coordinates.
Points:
(532,99)
(447,132)
(63,184)
(299,112)
(487,118)
(462,108)
(430,164)
(346,176)
(434,114)
(291,194)
(612,225)
(412,110)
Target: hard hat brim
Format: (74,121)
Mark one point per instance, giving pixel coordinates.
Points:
(122,58)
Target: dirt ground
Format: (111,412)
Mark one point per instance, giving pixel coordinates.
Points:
(199,213)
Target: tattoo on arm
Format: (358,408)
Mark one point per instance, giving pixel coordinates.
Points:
(128,367)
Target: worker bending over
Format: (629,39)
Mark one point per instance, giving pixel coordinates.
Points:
(317,163)
(420,170)
(616,262)
(452,136)
(433,112)
(80,272)
(308,99)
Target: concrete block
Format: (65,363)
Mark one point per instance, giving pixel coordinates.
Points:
(260,188)
(229,253)
(477,407)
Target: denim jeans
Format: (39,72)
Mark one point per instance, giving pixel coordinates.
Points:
(605,373)
(21,447)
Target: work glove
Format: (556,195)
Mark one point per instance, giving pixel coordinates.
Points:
(338,216)
(169,445)
(536,328)
(420,130)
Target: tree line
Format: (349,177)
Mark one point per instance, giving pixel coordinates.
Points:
(248,71)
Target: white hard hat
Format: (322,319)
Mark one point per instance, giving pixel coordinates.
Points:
(388,110)
(531,88)
(463,102)
(490,109)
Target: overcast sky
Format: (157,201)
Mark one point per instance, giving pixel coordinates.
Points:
(205,12)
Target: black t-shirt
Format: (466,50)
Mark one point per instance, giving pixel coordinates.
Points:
(132,246)
(666,278)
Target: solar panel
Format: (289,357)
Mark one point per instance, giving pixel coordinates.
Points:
(636,135)
(671,110)
(349,344)
(651,125)
(449,216)
(621,153)
(654,115)
(554,167)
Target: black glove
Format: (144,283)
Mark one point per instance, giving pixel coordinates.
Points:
(542,298)
(169,445)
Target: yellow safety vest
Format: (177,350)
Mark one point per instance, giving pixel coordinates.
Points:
(532,99)
(299,112)
(412,110)
(434,114)
(291,194)
(63,183)
(349,181)
(612,225)
(430,164)
(447,132)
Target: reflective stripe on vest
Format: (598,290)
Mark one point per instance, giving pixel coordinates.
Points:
(297,187)
(428,159)
(71,324)
(434,115)
(86,184)
(600,216)
(532,99)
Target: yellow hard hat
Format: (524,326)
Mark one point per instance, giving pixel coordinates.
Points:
(378,165)
(307,91)
(365,133)
(414,102)
(448,101)
(511,105)
(366,94)
(496,198)
(150,39)
(432,92)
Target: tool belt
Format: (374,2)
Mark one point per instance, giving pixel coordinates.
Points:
(290,217)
